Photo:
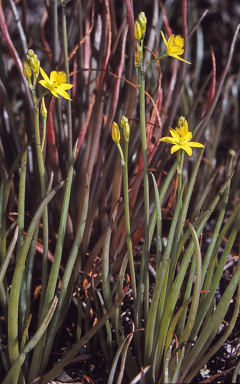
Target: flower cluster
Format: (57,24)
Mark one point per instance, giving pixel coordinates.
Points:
(56,84)
(33,62)
(140,26)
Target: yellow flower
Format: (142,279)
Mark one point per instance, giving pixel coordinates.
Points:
(57,83)
(181,138)
(175,46)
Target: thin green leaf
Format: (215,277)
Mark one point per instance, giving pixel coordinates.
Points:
(17,277)
(15,369)
(60,365)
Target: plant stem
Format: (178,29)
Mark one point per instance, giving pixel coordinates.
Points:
(65,52)
(144,260)
(21,221)
(55,34)
(43,194)
(179,170)
(158,58)
(127,222)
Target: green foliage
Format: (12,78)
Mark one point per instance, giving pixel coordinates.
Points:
(75,207)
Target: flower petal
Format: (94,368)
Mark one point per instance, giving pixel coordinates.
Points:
(44,75)
(63,87)
(187,149)
(187,137)
(175,148)
(168,139)
(176,51)
(170,45)
(54,93)
(179,58)
(165,41)
(174,134)
(195,144)
(44,83)
(63,94)
(53,76)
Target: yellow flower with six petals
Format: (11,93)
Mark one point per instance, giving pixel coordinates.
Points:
(57,83)
(175,46)
(181,138)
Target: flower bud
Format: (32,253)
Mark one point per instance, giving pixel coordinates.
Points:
(142,21)
(35,64)
(29,54)
(182,126)
(137,31)
(43,108)
(26,69)
(33,61)
(232,153)
(115,133)
(181,121)
(126,129)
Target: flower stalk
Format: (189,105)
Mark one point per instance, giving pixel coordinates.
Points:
(116,139)
(65,52)
(124,160)
(34,65)
(141,72)
(57,85)
(126,131)
(43,112)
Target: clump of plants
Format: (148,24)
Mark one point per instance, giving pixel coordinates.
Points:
(98,213)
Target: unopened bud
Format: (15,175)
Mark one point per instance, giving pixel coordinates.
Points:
(43,108)
(115,133)
(137,31)
(232,152)
(35,64)
(181,121)
(142,21)
(26,69)
(33,61)
(29,54)
(126,129)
